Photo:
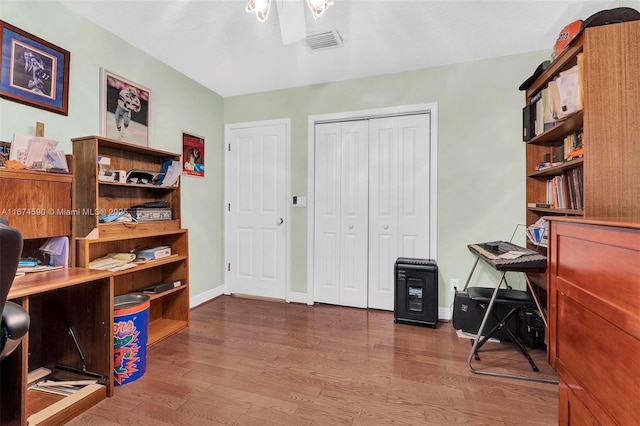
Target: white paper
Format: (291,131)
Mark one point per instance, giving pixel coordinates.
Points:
(58,250)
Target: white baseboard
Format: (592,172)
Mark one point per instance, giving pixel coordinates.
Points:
(294,297)
(444,314)
(201,298)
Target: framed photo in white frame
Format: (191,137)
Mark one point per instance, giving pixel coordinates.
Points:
(125,109)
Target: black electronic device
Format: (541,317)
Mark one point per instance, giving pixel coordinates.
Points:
(416,292)
(468,314)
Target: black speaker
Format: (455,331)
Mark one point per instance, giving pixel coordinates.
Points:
(468,314)
(416,292)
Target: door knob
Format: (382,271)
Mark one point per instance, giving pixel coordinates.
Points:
(280,221)
(350,226)
(385,226)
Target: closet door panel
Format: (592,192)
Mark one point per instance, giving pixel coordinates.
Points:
(327,211)
(383,210)
(355,211)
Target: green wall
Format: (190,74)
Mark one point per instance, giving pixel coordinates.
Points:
(480,153)
(480,164)
(177,104)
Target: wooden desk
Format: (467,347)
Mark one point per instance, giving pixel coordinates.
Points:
(86,296)
(594,319)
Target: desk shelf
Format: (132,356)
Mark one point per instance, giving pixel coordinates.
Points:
(86,297)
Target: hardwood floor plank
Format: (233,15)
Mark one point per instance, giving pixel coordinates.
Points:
(261,362)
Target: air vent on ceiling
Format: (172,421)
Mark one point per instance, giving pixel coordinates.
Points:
(323,40)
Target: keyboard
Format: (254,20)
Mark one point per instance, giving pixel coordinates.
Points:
(495,253)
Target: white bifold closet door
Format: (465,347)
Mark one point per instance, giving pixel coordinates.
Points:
(371,206)
(341,215)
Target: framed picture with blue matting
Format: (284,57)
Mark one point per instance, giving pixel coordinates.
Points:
(33,71)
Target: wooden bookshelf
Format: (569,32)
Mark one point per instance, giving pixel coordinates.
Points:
(610,82)
(169,311)
(611,188)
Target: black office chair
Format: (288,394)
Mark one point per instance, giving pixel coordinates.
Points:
(507,305)
(15,320)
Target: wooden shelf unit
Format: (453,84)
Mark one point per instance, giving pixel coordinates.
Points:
(609,121)
(169,311)
(611,189)
(94,197)
(610,80)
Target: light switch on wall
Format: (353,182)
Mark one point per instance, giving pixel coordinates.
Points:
(299,201)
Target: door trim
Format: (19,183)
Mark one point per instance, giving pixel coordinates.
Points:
(287,241)
(428,108)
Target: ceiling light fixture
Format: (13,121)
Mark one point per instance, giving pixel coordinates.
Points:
(318,7)
(262,7)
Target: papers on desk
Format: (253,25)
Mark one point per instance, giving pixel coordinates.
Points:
(39,268)
(114,262)
(38,153)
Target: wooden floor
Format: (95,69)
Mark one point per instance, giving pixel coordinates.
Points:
(255,362)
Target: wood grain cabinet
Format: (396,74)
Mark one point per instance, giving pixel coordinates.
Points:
(40,206)
(594,319)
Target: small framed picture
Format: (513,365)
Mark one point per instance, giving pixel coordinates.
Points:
(33,71)
(192,155)
(124,109)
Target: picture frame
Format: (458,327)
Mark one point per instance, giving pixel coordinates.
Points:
(125,109)
(192,155)
(33,71)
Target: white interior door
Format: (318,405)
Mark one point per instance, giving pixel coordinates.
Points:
(341,231)
(398,199)
(256,210)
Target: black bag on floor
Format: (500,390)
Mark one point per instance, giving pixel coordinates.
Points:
(531,328)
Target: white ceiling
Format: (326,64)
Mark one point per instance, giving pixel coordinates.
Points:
(219,45)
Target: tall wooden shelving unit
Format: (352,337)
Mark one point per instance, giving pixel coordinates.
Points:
(611,194)
(609,119)
(169,311)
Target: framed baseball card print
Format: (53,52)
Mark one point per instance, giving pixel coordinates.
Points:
(124,109)
(33,71)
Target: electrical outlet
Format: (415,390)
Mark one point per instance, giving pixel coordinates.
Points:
(454,284)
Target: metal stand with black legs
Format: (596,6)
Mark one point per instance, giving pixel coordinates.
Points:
(515,299)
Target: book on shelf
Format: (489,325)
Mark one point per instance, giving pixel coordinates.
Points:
(153,253)
(540,205)
(162,287)
(565,191)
